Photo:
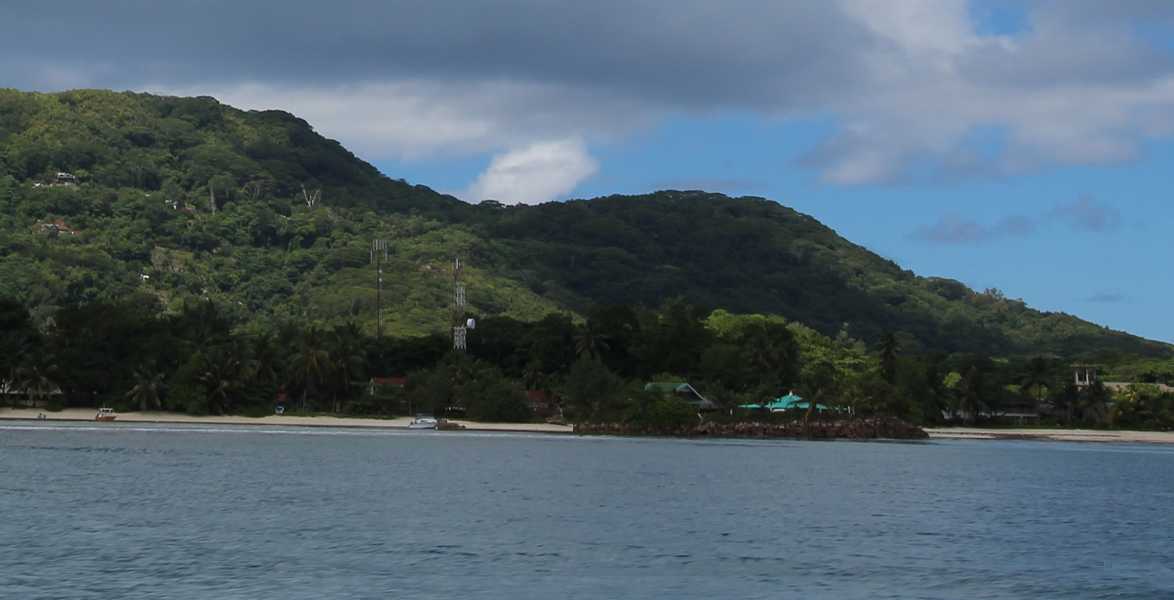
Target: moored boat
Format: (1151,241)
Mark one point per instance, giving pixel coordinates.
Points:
(422,422)
(105,414)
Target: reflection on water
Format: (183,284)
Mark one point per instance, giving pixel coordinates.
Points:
(134,511)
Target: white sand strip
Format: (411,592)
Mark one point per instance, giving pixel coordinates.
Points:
(85,414)
(1059,435)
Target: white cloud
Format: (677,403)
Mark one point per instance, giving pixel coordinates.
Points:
(422,119)
(1061,93)
(537,173)
(908,83)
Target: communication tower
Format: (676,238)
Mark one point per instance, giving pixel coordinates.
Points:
(378,257)
(460,331)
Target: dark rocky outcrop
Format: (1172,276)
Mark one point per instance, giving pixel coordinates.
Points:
(857,429)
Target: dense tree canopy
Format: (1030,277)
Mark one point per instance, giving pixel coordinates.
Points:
(201,243)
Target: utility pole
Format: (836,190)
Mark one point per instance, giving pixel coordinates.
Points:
(378,257)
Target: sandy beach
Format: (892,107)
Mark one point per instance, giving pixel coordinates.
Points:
(87,414)
(956,433)
(1055,435)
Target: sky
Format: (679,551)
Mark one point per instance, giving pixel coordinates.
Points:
(1021,145)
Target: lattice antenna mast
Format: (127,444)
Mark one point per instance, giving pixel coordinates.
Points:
(378,257)
(460,331)
(311,198)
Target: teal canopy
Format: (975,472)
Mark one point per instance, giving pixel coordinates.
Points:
(791,401)
(788,402)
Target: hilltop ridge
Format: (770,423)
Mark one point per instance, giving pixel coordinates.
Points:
(178,198)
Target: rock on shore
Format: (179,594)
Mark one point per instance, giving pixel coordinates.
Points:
(856,429)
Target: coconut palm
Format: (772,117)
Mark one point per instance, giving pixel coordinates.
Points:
(266,358)
(222,377)
(1037,377)
(890,348)
(590,342)
(147,389)
(346,360)
(970,399)
(771,352)
(38,379)
(311,362)
(820,381)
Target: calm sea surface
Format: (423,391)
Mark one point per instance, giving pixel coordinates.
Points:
(128,511)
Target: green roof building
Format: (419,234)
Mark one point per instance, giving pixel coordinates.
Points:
(791,401)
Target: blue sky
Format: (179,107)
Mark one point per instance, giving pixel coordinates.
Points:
(1018,144)
(1117,274)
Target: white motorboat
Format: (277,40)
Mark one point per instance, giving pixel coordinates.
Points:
(422,422)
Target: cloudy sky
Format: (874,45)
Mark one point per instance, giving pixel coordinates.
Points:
(1022,145)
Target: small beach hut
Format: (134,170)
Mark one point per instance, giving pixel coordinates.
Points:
(792,401)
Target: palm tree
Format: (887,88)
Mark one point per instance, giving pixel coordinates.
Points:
(311,362)
(533,377)
(890,348)
(38,379)
(771,352)
(346,360)
(971,394)
(1094,407)
(147,389)
(821,380)
(1037,376)
(590,342)
(223,374)
(1067,399)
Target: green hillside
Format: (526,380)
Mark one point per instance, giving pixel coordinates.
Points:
(186,198)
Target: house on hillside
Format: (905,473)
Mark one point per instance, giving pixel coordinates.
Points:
(378,385)
(64,179)
(1086,375)
(682,391)
(543,403)
(56,227)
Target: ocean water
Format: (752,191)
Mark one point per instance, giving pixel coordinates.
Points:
(127,511)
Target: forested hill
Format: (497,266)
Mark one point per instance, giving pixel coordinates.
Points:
(109,195)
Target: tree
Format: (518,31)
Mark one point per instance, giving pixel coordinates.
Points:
(1094,408)
(310,363)
(952,387)
(475,386)
(38,378)
(1037,377)
(1067,400)
(620,327)
(591,389)
(820,381)
(18,337)
(148,388)
(673,339)
(773,354)
(889,351)
(590,342)
(346,361)
(970,394)
(223,376)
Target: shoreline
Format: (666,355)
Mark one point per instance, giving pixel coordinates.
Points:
(401,423)
(75,415)
(1096,436)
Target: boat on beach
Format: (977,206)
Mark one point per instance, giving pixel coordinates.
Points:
(422,422)
(105,414)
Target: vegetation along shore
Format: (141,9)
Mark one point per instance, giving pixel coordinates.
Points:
(180,255)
